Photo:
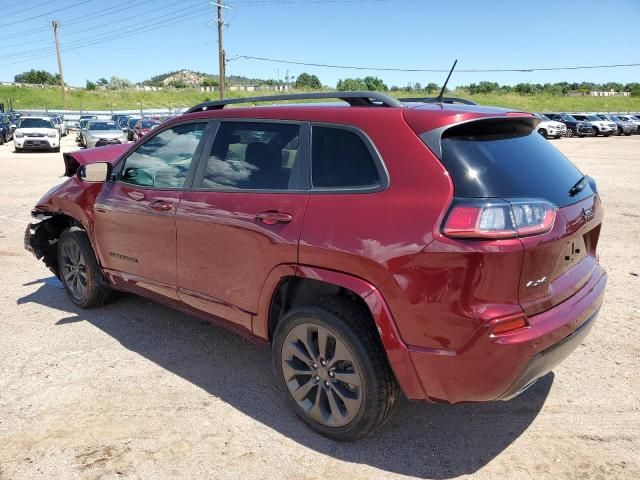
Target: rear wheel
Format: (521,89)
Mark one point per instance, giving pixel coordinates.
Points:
(78,269)
(329,359)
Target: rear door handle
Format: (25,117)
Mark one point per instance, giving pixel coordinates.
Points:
(271,217)
(160,205)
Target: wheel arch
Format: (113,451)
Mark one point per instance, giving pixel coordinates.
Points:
(291,285)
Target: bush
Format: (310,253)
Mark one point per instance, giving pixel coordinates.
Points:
(37,77)
(91,85)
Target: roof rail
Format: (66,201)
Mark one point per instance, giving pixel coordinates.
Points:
(463,101)
(355,99)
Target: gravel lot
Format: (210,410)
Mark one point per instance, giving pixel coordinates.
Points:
(136,390)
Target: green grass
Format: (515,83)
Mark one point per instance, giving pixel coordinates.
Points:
(40,98)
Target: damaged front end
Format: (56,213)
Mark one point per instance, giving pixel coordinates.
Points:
(41,237)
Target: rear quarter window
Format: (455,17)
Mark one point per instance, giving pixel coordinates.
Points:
(341,159)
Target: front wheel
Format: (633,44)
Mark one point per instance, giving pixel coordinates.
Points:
(329,359)
(570,133)
(542,132)
(79,271)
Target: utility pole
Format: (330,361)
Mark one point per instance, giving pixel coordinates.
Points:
(54,24)
(221,59)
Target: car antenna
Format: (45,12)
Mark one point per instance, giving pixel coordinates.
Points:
(439,99)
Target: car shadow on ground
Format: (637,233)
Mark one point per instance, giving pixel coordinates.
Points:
(423,440)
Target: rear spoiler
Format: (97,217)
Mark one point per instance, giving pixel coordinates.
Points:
(109,153)
(512,122)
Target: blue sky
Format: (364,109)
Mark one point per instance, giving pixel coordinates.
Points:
(141,38)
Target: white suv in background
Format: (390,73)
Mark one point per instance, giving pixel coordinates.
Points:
(550,128)
(600,127)
(36,133)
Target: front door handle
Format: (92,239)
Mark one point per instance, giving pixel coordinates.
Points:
(160,205)
(271,217)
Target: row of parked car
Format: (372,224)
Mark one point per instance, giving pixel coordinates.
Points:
(94,132)
(555,125)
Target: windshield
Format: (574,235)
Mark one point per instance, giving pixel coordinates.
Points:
(148,124)
(544,117)
(132,122)
(633,117)
(35,123)
(568,118)
(102,126)
(593,118)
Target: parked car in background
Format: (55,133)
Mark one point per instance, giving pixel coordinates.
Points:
(80,132)
(622,126)
(119,117)
(550,128)
(36,133)
(575,128)
(600,127)
(98,133)
(447,251)
(6,131)
(144,126)
(128,129)
(633,119)
(60,125)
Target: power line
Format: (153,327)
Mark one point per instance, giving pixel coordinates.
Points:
(433,70)
(49,13)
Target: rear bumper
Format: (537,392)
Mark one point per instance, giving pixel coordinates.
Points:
(545,361)
(499,367)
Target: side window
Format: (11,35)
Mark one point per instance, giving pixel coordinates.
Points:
(253,156)
(163,161)
(340,159)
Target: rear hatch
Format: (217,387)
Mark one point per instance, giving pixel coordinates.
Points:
(504,162)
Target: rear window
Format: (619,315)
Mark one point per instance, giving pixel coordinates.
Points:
(508,160)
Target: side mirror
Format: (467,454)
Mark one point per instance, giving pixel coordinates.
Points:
(13,127)
(94,172)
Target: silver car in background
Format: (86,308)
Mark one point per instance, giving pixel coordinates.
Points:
(98,133)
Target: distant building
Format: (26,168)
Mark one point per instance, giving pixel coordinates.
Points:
(610,93)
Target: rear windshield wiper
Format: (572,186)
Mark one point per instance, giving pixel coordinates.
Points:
(579,186)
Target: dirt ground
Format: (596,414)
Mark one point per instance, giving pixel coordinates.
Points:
(136,390)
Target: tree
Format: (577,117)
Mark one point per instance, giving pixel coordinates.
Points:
(351,84)
(306,81)
(432,87)
(210,82)
(103,81)
(117,83)
(91,85)
(37,76)
(178,84)
(374,83)
(417,86)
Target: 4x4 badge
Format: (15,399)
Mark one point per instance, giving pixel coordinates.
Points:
(587,214)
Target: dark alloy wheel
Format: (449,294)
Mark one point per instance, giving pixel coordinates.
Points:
(619,131)
(321,375)
(329,360)
(570,132)
(79,271)
(73,269)
(542,132)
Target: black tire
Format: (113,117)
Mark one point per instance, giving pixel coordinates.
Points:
(94,291)
(56,150)
(543,132)
(2,139)
(350,324)
(628,134)
(619,131)
(570,133)
(18,150)
(596,132)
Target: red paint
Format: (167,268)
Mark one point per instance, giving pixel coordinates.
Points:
(435,300)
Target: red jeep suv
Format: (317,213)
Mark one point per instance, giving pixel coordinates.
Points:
(443,250)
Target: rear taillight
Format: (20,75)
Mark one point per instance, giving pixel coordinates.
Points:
(496,218)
